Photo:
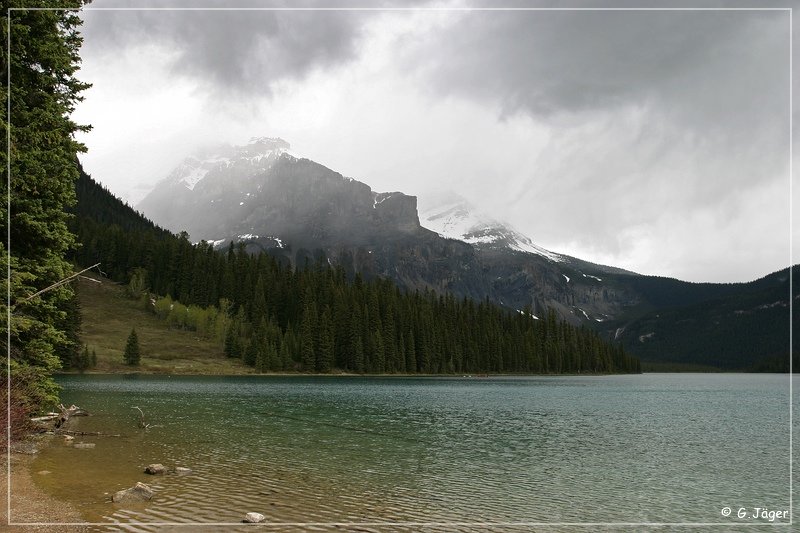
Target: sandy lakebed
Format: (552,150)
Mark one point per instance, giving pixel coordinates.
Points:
(29,504)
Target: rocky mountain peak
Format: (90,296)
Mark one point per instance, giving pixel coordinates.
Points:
(259,152)
(454,217)
(262,146)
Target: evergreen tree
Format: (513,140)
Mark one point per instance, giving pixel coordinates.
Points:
(326,346)
(231,344)
(42,61)
(411,353)
(308,338)
(132,353)
(82,360)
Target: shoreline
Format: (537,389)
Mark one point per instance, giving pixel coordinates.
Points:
(355,375)
(30,504)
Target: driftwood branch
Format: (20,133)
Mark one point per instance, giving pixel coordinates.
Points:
(56,284)
(90,433)
(142,423)
(66,413)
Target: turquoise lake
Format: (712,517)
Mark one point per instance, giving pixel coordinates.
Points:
(652,448)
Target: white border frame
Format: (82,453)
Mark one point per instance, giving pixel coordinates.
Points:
(396,524)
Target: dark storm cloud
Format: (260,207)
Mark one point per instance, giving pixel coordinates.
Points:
(234,53)
(543,63)
(710,90)
(661,127)
(546,63)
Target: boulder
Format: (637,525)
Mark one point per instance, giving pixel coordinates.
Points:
(155,468)
(182,470)
(138,493)
(254,518)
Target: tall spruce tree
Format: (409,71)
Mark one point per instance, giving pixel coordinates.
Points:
(132,353)
(42,93)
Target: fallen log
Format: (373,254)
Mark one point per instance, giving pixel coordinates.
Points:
(66,413)
(87,433)
(47,418)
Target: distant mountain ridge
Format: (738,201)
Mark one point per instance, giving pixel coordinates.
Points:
(294,208)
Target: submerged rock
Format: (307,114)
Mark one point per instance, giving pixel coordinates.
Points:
(83,445)
(254,518)
(182,470)
(155,468)
(24,447)
(138,493)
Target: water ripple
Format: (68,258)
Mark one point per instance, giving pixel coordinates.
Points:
(573,449)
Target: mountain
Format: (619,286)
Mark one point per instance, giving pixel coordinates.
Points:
(295,209)
(743,326)
(291,207)
(262,192)
(276,318)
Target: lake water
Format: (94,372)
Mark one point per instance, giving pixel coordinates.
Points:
(663,448)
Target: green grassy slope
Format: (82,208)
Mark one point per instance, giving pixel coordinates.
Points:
(108,316)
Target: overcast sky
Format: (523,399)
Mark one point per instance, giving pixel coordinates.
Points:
(657,141)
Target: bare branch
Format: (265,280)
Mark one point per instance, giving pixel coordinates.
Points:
(56,284)
(142,423)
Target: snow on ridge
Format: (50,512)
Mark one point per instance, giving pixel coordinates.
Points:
(192,170)
(527,246)
(385,196)
(457,219)
(261,152)
(590,276)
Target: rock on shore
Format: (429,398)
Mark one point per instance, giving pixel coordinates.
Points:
(138,493)
(155,468)
(254,518)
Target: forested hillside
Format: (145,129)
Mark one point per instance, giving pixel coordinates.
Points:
(315,318)
(743,329)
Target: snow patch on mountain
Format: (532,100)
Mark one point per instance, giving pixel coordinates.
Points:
(380,197)
(260,152)
(453,217)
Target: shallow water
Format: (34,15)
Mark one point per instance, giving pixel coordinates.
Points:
(646,448)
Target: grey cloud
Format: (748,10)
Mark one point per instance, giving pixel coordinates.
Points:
(234,53)
(547,63)
(711,90)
